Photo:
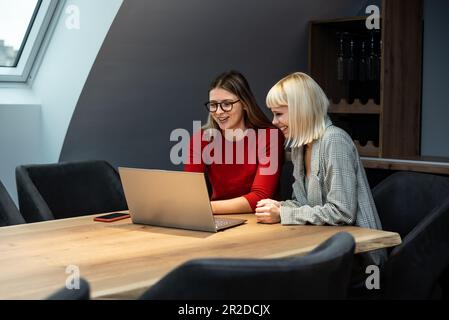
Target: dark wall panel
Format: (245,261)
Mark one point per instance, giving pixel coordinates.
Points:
(153,70)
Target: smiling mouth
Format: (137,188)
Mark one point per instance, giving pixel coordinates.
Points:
(222,120)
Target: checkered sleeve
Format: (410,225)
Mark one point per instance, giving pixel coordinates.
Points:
(294,202)
(340,180)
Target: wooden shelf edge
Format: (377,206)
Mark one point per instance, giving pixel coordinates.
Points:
(339,20)
(406,165)
(354,108)
(369,150)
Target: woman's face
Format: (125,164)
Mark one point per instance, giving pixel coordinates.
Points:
(280,119)
(231,120)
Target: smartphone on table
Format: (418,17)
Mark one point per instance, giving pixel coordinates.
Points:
(111,217)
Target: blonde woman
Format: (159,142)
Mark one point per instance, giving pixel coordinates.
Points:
(330,185)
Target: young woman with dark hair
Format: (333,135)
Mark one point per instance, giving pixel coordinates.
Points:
(239,149)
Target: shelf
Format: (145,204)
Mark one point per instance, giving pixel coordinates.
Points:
(355,108)
(368,150)
(340,20)
(434,165)
(416,164)
(392,118)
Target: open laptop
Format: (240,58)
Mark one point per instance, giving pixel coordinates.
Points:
(171,199)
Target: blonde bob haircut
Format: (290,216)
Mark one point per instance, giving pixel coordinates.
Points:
(307,107)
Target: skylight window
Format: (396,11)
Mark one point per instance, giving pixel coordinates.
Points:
(23,25)
(16,19)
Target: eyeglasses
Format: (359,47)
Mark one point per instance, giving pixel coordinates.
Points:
(226,106)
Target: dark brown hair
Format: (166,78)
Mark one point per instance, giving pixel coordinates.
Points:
(234,82)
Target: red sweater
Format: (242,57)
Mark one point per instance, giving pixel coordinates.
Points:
(255,178)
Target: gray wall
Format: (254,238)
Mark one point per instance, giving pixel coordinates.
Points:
(435,112)
(34,117)
(153,70)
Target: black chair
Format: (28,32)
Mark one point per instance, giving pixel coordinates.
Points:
(286,180)
(9,215)
(415,205)
(83,293)
(63,190)
(322,274)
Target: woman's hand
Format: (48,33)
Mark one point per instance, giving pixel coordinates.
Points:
(268,211)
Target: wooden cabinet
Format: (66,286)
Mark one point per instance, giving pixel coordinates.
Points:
(381,113)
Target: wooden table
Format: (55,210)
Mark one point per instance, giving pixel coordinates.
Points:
(121,259)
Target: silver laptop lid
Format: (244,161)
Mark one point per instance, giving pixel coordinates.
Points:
(168,198)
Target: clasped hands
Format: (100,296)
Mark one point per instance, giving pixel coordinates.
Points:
(268,211)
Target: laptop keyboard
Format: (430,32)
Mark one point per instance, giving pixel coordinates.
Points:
(223,222)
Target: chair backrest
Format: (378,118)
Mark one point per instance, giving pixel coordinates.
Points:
(82,293)
(286,181)
(415,268)
(9,215)
(416,205)
(322,274)
(63,190)
(405,198)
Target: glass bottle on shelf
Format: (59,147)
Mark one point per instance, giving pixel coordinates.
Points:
(373,60)
(341,57)
(378,38)
(362,70)
(351,61)
(380,56)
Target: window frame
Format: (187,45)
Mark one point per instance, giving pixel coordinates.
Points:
(32,43)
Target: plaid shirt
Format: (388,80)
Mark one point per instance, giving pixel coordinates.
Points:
(338,192)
